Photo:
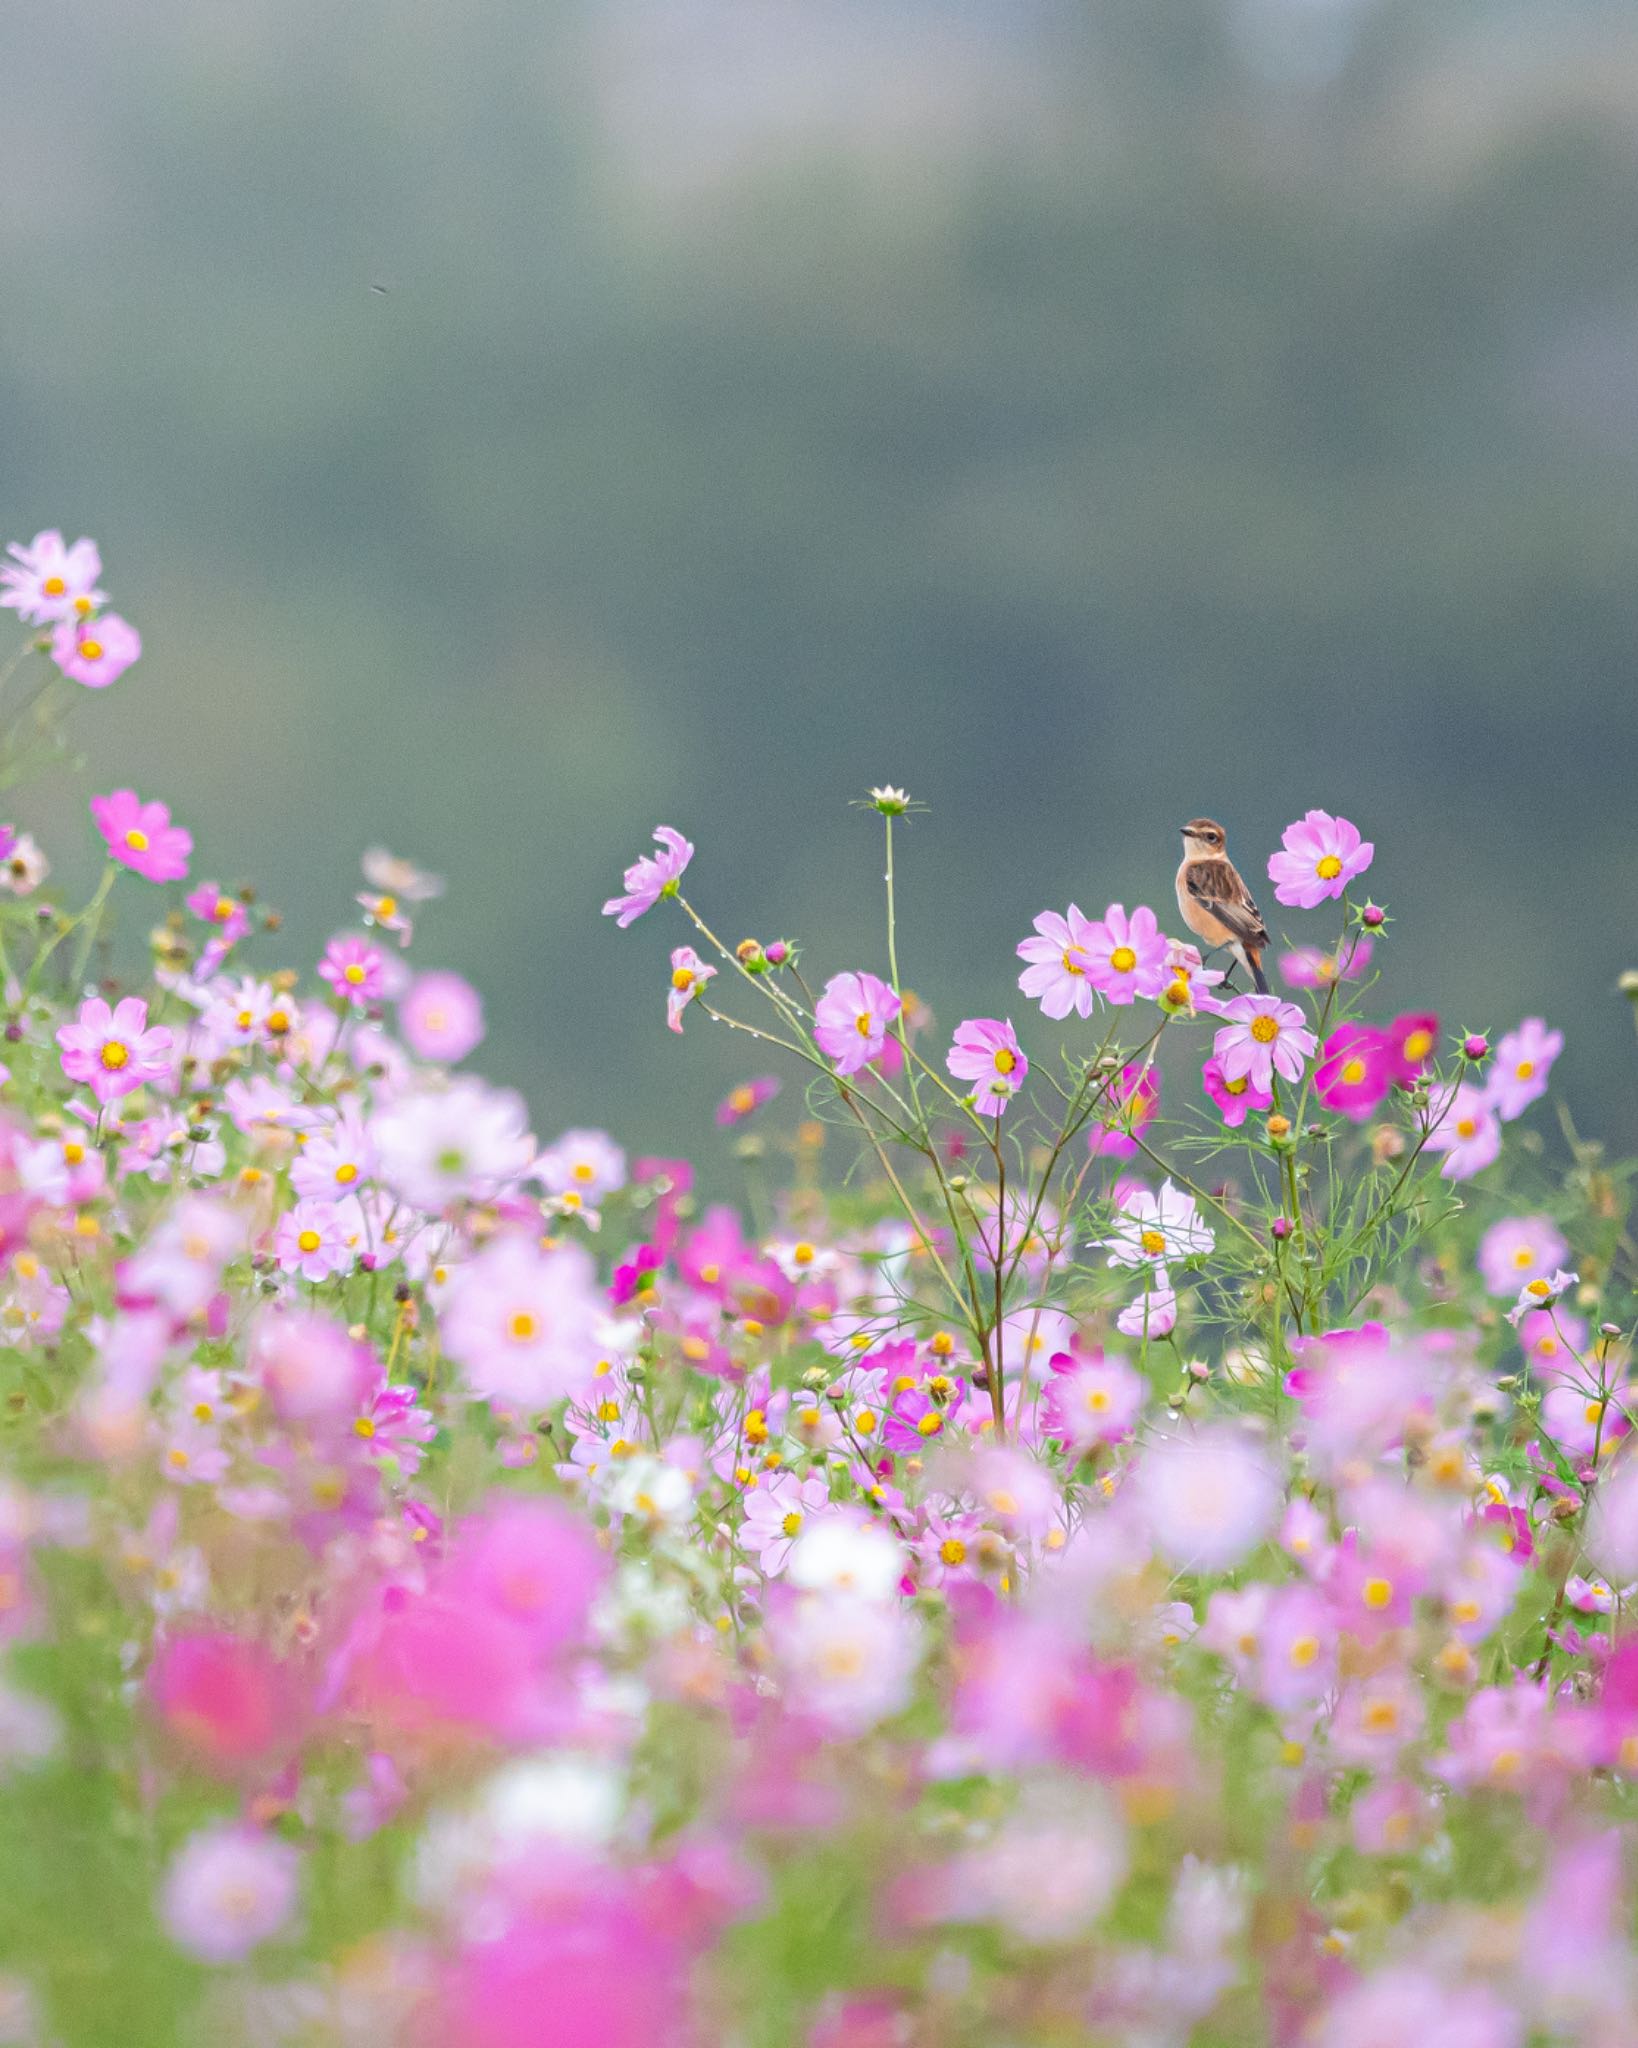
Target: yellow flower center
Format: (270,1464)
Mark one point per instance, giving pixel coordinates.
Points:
(353,973)
(223,909)
(278,1022)
(53,586)
(1304,1650)
(1329,868)
(1539,1287)
(1153,1242)
(802,1254)
(1123,959)
(741,1101)
(114,1055)
(756,1427)
(73,1152)
(91,650)
(346,1173)
(1097,1400)
(952,1551)
(364,1427)
(1418,1045)
(1377,1592)
(386,906)
(791,1523)
(1005,1061)
(1238,1087)
(682,977)
(1466,1126)
(1525,1069)
(1265,1029)
(521,1327)
(1072,965)
(1381,1717)
(1353,1073)
(137,840)
(309,1241)
(1524,1256)
(864,1023)
(930,1424)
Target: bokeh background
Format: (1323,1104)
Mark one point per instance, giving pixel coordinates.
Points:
(514,422)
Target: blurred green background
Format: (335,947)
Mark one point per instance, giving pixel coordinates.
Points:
(514,423)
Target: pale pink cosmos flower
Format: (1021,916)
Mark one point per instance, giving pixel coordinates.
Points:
(47,581)
(745,1099)
(1095,1401)
(1059,975)
(523,1323)
(689,974)
(311,1240)
(1518,1250)
(1542,1292)
(986,1052)
(217,907)
(441,1017)
(1189,981)
(96,652)
(1321,857)
(1403,2003)
(851,1018)
(1313,967)
(846,1661)
(466,1142)
(114,1051)
(229,1889)
(1150,1229)
(1127,956)
(584,1163)
(1263,1037)
(1468,1134)
(776,1514)
(1524,1059)
(1208,1499)
(336,1160)
(355,970)
(651,877)
(1154,1312)
(24,866)
(141,836)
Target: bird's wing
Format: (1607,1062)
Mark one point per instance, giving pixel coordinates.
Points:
(1217,885)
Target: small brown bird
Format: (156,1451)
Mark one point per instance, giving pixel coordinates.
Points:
(1215,902)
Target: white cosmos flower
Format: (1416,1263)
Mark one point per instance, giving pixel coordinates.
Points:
(1151,1229)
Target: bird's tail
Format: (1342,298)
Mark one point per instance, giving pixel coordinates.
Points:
(1255,962)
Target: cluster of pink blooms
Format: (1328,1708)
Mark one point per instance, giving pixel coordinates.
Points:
(486,1592)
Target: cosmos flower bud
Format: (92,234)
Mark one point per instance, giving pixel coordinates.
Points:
(1280,1228)
(1475,1047)
(1373,917)
(1279,1129)
(750,956)
(779,952)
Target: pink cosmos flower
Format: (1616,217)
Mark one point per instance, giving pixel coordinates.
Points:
(1468,1134)
(1124,1112)
(1313,967)
(1092,1401)
(218,908)
(1127,956)
(312,1241)
(523,1323)
(651,877)
(228,1890)
(987,1053)
(1263,1037)
(776,1514)
(851,1018)
(354,969)
(1189,981)
(221,1696)
(1524,1059)
(1413,1039)
(466,1142)
(846,1660)
(689,974)
(1321,857)
(441,1017)
(584,1163)
(747,1098)
(1236,1098)
(114,1051)
(1208,1498)
(141,836)
(1518,1250)
(47,581)
(1059,976)
(1356,1070)
(96,652)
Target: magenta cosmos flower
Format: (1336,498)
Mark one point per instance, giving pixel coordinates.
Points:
(114,1051)
(851,1018)
(1524,1059)
(217,907)
(1123,1113)
(96,652)
(1127,956)
(441,1017)
(1413,1040)
(48,581)
(141,836)
(651,877)
(1356,1070)
(355,969)
(1263,1037)
(1322,856)
(1059,975)
(987,1053)
(1235,1099)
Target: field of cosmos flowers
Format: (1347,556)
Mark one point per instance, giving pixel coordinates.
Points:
(1058,1566)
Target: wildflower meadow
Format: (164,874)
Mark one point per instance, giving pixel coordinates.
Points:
(1058,1560)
